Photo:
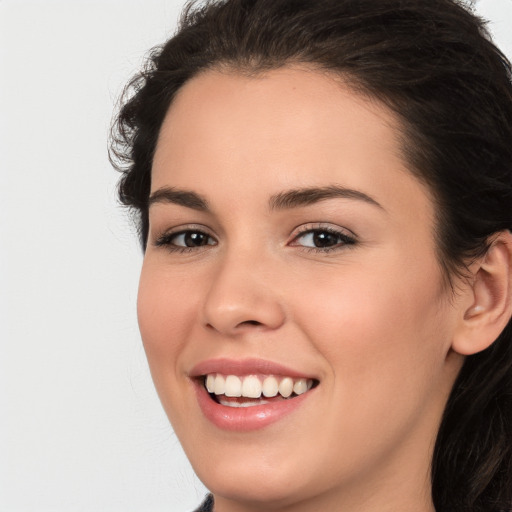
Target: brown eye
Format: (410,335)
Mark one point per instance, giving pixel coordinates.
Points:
(183,240)
(323,239)
(191,239)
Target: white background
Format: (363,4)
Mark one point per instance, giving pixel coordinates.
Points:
(81,428)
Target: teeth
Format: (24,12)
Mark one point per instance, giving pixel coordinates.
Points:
(233,386)
(286,387)
(270,387)
(242,404)
(300,386)
(220,385)
(210,383)
(252,387)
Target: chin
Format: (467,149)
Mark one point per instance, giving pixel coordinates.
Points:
(263,476)
(251,473)
(259,486)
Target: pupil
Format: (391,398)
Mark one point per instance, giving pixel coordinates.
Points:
(195,239)
(325,239)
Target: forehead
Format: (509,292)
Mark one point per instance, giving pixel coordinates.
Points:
(286,127)
(276,110)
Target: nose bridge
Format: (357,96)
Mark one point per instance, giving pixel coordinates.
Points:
(242,293)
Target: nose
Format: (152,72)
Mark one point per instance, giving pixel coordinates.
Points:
(243,296)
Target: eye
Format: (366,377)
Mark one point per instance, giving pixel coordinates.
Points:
(191,239)
(185,240)
(322,239)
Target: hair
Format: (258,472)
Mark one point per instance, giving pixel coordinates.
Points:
(434,65)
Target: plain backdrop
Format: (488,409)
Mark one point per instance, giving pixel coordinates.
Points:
(81,428)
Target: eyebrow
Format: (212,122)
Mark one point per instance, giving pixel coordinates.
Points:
(305,196)
(180,197)
(288,199)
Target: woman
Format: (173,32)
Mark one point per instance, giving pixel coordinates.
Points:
(324,189)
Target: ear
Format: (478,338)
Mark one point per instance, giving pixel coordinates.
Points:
(488,302)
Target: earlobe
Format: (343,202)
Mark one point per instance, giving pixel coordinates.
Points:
(489,298)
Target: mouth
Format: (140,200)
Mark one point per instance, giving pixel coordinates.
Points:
(250,394)
(254,390)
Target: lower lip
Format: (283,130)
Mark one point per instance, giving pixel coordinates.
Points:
(245,419)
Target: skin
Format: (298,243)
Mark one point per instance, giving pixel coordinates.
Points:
(373,320)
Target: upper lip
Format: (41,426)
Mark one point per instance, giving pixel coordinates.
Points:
(244,367)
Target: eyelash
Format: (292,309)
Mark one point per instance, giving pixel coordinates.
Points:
(166,240)
(344,238)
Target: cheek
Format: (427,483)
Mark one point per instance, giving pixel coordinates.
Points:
(166,311)
(380,329)
(384,342)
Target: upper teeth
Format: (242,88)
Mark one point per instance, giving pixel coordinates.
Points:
(252,386)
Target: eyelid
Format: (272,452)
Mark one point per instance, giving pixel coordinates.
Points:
(348,237)
(164,238)
(319,226)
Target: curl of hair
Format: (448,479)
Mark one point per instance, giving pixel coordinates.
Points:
(434,65)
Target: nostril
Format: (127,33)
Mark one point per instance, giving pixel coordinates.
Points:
(241,324)
(250,322)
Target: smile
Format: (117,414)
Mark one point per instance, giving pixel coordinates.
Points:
(254,390)
(249,394)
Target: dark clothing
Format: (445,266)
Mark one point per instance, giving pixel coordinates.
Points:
(207,505)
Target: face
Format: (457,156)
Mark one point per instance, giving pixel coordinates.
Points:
(291,254)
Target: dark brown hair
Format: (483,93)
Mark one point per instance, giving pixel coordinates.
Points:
(433,64)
